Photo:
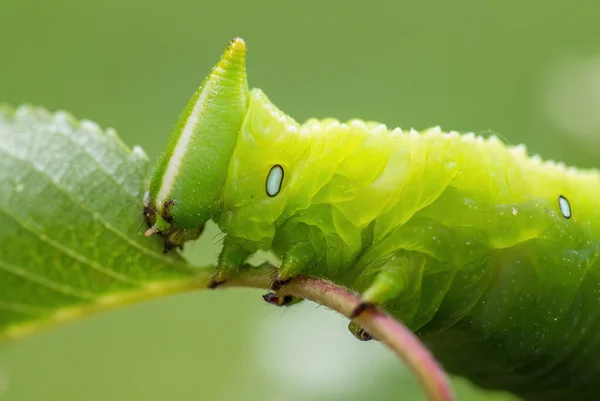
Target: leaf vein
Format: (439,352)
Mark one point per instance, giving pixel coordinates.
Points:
(96,161)
(100,219)
(45,282)
(23,308)
(72,253)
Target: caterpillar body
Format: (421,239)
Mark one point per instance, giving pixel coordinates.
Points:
(489,255)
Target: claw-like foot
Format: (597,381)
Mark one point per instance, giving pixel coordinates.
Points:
(358,332)
(215,283)
(218,279)
(286,300)
(231,259)
(279,283)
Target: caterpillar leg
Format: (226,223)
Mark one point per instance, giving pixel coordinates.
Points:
(277,300)
(296,260)
(358,332)
(232,257)
(388,283)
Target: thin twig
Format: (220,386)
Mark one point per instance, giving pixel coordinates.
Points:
(379,324)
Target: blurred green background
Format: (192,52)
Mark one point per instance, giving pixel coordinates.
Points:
(527,70)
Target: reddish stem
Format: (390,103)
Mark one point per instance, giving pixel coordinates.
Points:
(379,324)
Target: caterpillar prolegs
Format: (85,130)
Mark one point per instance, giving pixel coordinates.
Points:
(489,255)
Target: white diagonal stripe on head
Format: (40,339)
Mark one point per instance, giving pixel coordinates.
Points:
(181,147)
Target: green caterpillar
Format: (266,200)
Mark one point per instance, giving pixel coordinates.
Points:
(490,256)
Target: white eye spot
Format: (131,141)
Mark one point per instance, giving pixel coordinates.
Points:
(565,207)
(274,180)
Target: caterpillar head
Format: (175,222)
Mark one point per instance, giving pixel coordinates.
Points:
(186,187)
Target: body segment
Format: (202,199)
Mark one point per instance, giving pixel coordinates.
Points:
(489,255)
(485,252)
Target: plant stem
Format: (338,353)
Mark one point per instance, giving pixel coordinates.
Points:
(379,324)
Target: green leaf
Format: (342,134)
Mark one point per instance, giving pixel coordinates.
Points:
(71,224)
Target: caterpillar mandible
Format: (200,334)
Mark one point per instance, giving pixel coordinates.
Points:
(489,255)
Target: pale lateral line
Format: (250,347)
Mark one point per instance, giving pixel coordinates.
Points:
(103,221)
(23,308)
(73,254)
(45,282)
(168,179)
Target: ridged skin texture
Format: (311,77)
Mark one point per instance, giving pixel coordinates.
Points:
(460,237)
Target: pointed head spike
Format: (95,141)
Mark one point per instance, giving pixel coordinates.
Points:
(186,185)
